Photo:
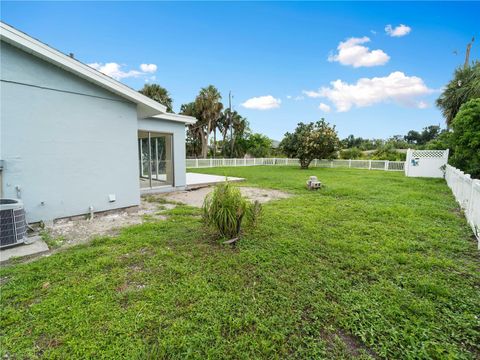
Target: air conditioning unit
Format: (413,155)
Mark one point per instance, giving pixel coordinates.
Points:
(13,226)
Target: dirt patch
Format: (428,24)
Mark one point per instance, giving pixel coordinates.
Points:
(196,197)
(80,229)
(340,341)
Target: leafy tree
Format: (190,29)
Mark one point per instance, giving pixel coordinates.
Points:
(208,108)
(159,94)
(466,138)
(413,137)
(258,145)
(309,141)
(428,133)
(442,142)
(351,153)
(388,152)
(464,86)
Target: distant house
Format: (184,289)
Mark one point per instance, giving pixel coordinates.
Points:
(74,139)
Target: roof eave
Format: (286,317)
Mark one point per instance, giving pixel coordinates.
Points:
(188,120)
(21,40)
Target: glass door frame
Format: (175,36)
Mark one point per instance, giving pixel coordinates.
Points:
(141,159)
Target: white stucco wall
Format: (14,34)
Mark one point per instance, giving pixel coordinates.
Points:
(65,143)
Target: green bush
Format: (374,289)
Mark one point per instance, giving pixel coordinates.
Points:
(351,153)
(466,138)
(224,209)
(388,152)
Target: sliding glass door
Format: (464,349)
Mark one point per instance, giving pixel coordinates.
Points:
(155,159)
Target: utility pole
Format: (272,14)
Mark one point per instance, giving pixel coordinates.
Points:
(230,121)
(467,54)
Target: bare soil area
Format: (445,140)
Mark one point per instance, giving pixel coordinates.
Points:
(80,229)
(196,197)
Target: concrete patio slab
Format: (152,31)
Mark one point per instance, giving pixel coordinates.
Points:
(195,180)
(34,246)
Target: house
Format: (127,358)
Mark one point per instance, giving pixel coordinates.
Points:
(74,140)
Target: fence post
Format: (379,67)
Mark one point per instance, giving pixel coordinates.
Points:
(211,162)
(386,165)
(369,164)
(244,161)
(196,163)
(349,163)
(223,161)
(331,163)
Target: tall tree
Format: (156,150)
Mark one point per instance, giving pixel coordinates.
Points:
(464,86)
(311,141)
(209,108)
(195,132)
(158,93)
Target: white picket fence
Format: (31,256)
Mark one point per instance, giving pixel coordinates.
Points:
(354,164)
(467,192)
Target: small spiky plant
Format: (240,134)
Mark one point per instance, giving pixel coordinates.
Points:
(254,212)
(224,209)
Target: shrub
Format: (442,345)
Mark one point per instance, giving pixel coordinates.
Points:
(351,153)
(254,212)
(224,209)
(388,152)
(466,138)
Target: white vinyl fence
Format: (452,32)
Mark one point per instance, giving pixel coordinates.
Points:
(354,164)
(467,192)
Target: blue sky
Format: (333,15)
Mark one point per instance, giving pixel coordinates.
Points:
(282,57)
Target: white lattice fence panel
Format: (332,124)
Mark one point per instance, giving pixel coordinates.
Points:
(428,153)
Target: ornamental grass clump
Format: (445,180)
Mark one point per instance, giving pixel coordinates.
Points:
(224,209)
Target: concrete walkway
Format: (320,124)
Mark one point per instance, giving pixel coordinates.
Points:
(195,180)
(33,246)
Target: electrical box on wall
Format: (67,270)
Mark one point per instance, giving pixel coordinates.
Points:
(112,198)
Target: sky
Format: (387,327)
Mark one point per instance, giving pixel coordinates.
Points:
(372,69)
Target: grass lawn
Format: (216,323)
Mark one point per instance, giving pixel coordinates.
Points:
(374,265)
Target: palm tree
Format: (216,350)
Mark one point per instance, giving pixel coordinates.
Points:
(464,86)
(195,132)
(158,93)
(209,108)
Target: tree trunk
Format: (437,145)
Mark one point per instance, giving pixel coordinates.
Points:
(204,137)
(214,142)
(305,163)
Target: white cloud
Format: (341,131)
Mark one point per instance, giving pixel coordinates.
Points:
(312,94)
(262,103)
(400,30)
(396,87)
(117,72)
(324,107)
(352,52)
(289,96)
(298,98)
(422,105)
(148,68)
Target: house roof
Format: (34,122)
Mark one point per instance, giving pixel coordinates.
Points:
(146,107)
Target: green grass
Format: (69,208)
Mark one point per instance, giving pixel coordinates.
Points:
(373,265)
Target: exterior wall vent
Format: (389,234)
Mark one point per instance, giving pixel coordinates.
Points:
(13,226)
